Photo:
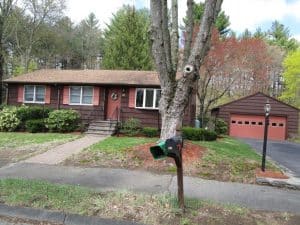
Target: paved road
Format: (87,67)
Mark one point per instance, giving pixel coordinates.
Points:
(103,179)
(285,153)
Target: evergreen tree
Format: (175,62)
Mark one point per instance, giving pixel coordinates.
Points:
(126,40)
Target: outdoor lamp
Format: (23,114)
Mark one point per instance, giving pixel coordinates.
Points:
(267,108)
(267,114)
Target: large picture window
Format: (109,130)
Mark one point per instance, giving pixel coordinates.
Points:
(81,95)
(34,93)
(147,98)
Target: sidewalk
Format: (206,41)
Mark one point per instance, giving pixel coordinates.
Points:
(64,151)
(104,179)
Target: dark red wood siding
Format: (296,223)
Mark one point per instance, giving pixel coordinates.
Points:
(254,105)
(147,117)
(87,113)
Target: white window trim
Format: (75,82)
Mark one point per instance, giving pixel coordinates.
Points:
(144,98)
(81,91)
(34,94)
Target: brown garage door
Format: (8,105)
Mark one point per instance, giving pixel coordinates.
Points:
(250,126)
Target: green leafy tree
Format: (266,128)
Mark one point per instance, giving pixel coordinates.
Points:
(89,40)
(126,40)
(291,76)
(222,23)
(280,35)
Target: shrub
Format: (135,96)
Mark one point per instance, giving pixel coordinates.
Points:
(8,119)
(32,112)
(64,120)
(35,125)
(198,134)
(221,127)
(150,131)
(131,127)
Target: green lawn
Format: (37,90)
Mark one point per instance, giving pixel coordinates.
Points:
(16,139)
(16,146)
(154,209)
(111,152)
(228,159)
(119,144)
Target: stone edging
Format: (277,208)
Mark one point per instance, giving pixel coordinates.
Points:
(291,183)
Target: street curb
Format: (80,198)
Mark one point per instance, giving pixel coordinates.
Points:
(281,183)
(56,216)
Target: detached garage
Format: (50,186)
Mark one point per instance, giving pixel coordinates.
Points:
(245,117)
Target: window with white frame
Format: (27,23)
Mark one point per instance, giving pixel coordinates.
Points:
(81,95)
(34,93)
(147,98)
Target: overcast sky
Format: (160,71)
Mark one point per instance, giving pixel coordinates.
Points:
(243,13)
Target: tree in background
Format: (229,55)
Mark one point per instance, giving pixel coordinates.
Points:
(126,40)
(5,13)
(233,68)
(222,22)
(30,23)
(280,35)
(89,41)
(291,75)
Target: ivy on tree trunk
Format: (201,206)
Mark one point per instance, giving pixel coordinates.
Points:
(176,91)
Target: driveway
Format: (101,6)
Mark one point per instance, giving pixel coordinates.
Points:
(285,153)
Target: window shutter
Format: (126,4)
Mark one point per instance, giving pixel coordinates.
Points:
(131,97)
(96,96)
(20,93)
(66,95)
(48,95)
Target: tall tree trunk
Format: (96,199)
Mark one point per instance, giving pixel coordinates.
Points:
(176,93)
(1,75)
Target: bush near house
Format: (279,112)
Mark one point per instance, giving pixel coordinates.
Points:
(221,127)
(64,120)
(131,127)
(9,120)
(198,134)
(150,131)
(25,113)
(35,125)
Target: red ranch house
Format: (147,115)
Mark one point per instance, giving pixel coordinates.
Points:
(99,95)
(245,117)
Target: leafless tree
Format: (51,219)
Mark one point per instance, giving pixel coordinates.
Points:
(177,91)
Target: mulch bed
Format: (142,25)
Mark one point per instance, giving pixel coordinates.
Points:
(191,153)
(270,174)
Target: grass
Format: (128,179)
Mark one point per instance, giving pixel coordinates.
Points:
(119,144)
(228,159)
(110,152)
(14,139)
(154,209)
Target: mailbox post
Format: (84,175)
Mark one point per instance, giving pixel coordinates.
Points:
(172,147)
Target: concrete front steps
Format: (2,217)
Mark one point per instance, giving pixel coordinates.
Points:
(102,127)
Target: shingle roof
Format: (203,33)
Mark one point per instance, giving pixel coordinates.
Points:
(106,77)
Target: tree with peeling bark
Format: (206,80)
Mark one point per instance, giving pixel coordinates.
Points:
(176,91)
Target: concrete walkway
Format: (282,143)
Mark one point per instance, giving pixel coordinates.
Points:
(103,179)
(64,151)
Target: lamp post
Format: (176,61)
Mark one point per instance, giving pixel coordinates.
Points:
(267,109)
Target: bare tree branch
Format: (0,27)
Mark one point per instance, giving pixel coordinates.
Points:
(174,34)
(188,31)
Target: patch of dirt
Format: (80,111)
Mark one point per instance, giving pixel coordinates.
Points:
(270,174)
(191,154)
